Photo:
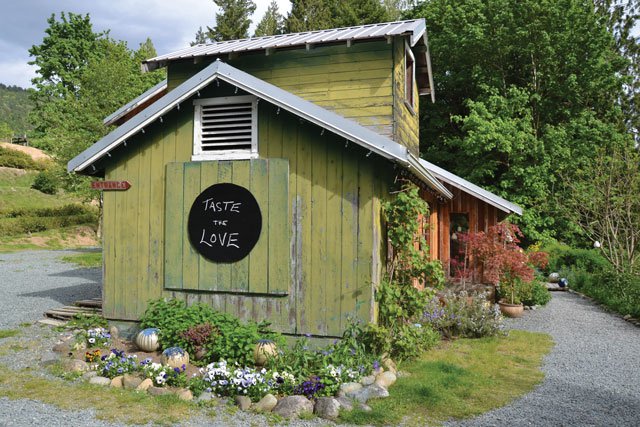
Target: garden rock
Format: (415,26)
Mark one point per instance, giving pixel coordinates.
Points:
(243,402)
(368,380)
(402,374)
(131,381)
(100,381)
(117,382)
(347,388)
(158,391)
(205,397)
(389,365)
(90,374)
(144,385)
(364,407)
(369,392)
(62,347)
(115,334)
(386,379)
(75,365)
(293,406)
(184,394)
(266,404)
(327,408)
(346,404)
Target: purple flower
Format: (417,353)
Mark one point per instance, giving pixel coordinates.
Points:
(376,365)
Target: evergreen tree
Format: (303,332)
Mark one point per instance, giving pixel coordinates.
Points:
(309,15)
(358,12)
(201,37)
(233,21)
(272,22)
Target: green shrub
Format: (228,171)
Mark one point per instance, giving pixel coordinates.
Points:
(46,182)
(232,341)
(534,293)
(464,316)
(562,257)
(73,209)
(19,160)
(23,221)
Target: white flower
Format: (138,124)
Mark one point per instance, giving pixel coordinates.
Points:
(91,340)
(160,380)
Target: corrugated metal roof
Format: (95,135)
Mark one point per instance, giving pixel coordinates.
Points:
(416,28)
(471,188)
(331,121)
(122,111)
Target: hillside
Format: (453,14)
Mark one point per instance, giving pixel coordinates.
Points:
(14,111)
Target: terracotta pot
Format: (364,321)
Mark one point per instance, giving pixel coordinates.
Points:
(511,310)
(263,350)
(147,339)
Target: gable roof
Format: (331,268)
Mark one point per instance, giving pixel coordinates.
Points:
(309,111)
(416,29)
(135,103)
(471,188)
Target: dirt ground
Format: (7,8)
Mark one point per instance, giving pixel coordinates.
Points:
(35,153)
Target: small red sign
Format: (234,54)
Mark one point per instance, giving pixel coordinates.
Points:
(111,185)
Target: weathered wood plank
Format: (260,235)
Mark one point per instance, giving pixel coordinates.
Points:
(240,269)
(258,258)
(174,226)
(350,208)
(366,177)
(144,223)
(225,174)
(279,231)
(190,190)
(156,217)
(304,188)
(208,270)
(334,233)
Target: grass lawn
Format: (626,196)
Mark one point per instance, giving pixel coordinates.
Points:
(16,192)
(460,379)
(86,259)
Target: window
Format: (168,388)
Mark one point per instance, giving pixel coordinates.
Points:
(409,76)
(225,128)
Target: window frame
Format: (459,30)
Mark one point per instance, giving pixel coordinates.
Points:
(409,80)
(198,154)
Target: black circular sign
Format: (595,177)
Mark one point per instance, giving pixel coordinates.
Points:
(224,222)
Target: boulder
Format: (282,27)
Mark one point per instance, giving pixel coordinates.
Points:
(131,381)
(243,402)
(205,397)
(75,365)
(389,365)
(364,407)
(293,406)
(113,331)
(100,381)
(346,404)
(368,380)
(327,408)
(90,374)
(266,404)
(372,391)
(145,384)
(386,379)
(117,382)
(347,388)
(62,347)
(184,394)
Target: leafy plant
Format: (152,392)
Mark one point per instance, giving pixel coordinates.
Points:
(534,293)
(117,363)
(46,182)
(164,375)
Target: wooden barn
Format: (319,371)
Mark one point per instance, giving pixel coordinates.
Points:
(252,179)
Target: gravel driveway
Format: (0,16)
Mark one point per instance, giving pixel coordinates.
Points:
(592,373)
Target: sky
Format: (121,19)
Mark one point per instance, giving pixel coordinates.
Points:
(171,25)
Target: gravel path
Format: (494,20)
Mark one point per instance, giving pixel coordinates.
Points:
(592,373)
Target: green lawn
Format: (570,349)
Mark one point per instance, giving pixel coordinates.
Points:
(16,192)
(85,259)
(461,379)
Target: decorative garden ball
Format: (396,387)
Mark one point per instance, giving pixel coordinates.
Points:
(263,350)
(563,283)
(147,339)
(175,357)
(554,277)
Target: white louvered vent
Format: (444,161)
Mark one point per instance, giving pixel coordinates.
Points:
(225,128)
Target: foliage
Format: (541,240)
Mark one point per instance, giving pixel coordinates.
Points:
(95,337)
(604,201)
(86,321)
(464,316)
(563,257)
(14,110)
(22,221)
(503,262)
(19,160)
(410,281)
(46,182)
(309,15)
(117,363)
(534,293)
(459,380)
(233,21)
(233,340)
(163,375)
(85,259)
(527,89)
(8,333)
(272,22)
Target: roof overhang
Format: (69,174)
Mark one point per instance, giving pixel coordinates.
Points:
(350,130)
(471,188)
(136,103)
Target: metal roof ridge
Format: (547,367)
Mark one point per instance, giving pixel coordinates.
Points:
(468,186)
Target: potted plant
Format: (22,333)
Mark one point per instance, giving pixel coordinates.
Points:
(510,304)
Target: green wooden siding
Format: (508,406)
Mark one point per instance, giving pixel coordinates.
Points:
(185,269)
(407,126)
(355,82)
(333,251)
